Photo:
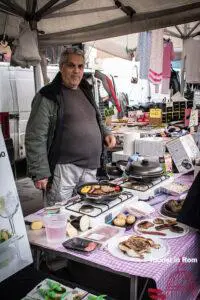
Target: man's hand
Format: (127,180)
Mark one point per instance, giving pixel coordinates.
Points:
(110,141)
(41,184)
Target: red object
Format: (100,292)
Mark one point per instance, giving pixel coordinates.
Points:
(153,232)
(4,123)
(187,116)
(156,294)
(117,188)
(110,84)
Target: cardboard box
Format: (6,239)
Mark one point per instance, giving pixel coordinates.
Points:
(183,151)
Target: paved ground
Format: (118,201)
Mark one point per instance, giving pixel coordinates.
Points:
(30,197)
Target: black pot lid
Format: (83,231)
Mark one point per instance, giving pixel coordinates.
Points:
(144,168)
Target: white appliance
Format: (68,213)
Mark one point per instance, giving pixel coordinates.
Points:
(150,146)
(100,213)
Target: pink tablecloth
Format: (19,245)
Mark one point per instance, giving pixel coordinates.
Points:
(183,277)
(178,281)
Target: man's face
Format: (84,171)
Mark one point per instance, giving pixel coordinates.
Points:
(72,71)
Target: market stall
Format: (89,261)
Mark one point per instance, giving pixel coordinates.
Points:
(119,233)
(177,258)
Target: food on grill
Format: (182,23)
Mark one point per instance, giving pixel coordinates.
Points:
(130,219)
(85,189)
(176,229)
(98,190)
(137,246)
(145,225)
(174,205)
(107,188)
(158,221)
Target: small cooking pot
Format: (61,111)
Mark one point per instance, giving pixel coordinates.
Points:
(113,171)
(102,197)
(143,169)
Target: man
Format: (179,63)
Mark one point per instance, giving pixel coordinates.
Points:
(65,135)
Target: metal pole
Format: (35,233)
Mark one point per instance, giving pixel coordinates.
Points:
(192,29)
(183,61)
(37,77)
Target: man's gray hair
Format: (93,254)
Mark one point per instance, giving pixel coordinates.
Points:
(70,50)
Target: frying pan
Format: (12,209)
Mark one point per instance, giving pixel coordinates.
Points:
(100,198)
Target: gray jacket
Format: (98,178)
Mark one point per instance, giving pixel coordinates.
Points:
(44,128)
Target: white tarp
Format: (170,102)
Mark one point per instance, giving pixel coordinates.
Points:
(74,21)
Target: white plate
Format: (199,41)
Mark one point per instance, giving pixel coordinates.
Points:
(155,254)
(169,234)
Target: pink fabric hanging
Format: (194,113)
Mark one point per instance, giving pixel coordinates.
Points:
(168,56)
(156,58)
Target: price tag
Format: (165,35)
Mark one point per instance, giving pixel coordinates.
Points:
(155,113)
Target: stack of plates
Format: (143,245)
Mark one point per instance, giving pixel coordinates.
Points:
(166,211)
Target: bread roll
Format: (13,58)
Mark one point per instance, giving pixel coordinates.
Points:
(121,216)
(119,222)
(130,219)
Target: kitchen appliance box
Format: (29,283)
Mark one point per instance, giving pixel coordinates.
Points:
(183,151)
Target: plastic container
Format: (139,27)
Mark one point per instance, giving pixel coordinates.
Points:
(55,227)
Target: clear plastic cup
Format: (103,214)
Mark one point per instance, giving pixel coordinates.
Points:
(55,227)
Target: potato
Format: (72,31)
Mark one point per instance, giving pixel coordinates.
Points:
(36,225)
(130,219)
(121,216)
(119,222)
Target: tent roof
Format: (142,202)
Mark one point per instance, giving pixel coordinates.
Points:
(75,21)
(119,46)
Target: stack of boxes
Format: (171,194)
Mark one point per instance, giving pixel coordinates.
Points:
(175,111)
